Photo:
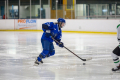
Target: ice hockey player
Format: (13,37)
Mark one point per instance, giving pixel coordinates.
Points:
(50,29)
(116,52)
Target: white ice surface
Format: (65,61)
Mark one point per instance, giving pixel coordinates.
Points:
(18,51)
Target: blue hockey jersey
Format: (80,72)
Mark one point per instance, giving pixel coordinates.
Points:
(54,29)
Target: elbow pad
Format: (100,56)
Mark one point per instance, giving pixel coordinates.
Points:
(44,26)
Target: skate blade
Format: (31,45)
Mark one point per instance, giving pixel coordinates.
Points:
(35,64)
(116,71)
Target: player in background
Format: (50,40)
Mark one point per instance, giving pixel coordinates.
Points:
(116,52)
(50,29)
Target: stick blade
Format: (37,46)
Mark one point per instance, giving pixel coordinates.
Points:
(88,59)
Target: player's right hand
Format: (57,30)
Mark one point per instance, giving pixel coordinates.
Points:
(61,44)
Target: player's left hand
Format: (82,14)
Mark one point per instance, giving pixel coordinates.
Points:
(47,35)
(61,44)
(53,35)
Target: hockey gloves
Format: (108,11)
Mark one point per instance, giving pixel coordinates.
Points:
(61,44)
(49,34)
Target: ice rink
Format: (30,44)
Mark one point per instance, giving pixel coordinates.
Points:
(18,51)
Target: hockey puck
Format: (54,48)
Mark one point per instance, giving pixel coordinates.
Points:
(83,63)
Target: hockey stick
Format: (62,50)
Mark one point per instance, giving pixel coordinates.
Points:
(73,52)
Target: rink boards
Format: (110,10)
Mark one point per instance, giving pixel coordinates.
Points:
(72,25)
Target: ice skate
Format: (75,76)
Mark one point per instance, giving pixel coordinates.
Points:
(37,62)
(117,69)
